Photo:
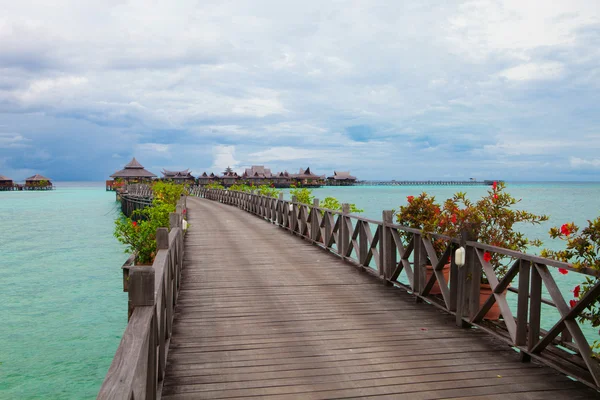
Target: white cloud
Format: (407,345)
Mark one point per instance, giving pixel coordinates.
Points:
(13,141)
(533,71)
(577,162)
(224,156)
(154,147)
(288,153)
(285,80)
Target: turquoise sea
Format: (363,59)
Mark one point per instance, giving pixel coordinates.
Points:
(62,309)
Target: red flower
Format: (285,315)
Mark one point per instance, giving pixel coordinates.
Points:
(487,257)
(453,218)
(572,303)
(495,185)
(437,211)
(563,271)
(134,223)
(576,291)
(184,210)
(565,230)
(410,198)
(495,196)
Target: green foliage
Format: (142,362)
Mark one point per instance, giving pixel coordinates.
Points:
(331,203)
(241,187)
(582,250)
(303,195)
(215,185)
(167,192)
(140,236)
(269,191)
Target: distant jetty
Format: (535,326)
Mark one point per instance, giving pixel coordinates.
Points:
(425,183)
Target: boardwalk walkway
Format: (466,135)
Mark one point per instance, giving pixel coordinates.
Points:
(262,313)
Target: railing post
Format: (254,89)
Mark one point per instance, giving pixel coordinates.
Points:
(294,214)
(141,288)
(174,220)
(387,251)
(523,307)
(314,222)
(417,266)
(363,244)
(463,289)
(279,210)
(179,212)
(344,233)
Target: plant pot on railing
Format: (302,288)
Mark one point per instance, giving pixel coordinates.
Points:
(435,289)
(485,291)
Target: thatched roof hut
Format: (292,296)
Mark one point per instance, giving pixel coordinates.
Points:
(133,170)
(177,176)
(4,181)
(38,181)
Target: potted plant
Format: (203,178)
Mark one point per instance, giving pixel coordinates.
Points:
(582,250)
(491,220)
(424,213)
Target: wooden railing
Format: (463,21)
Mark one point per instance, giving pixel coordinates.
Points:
(378,247)
(129,204)
(138,368)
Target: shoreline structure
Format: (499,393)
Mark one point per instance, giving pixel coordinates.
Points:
(258,175)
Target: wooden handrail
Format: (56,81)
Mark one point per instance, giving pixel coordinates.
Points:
(138,368)
(377,247)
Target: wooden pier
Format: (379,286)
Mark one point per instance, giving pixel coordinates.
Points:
(422,183)
(264,313)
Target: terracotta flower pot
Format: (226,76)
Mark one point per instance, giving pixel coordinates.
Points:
(485,291)
(436,287)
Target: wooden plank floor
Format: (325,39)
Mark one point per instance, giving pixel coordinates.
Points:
(262,313)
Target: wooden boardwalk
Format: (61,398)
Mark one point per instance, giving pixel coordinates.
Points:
(262,313)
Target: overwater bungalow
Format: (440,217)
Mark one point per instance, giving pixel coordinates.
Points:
(341,178)
(38,182)
(282,180)
(258,175)
(133,172)
(229,178)
(206,179)
(180,177)
(6,183)
(306,178)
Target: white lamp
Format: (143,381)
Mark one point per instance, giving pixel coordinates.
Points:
(459,256)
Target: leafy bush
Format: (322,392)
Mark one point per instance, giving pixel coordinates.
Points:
(140,236)
(582,250)
(215,185)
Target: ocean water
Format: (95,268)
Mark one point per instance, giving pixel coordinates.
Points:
(62,309)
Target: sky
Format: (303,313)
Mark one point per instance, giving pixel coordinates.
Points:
(394,89)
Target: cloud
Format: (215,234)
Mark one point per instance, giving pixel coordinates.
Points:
(215,84)
(224,156)
(13,141)
(577,162)
(532,71)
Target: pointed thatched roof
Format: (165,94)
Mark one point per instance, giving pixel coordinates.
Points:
(133,170)
(342,175)
(5,179)
(258,171)
(177,174)
(37,178)
(306,173)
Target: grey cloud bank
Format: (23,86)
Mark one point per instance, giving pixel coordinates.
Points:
(387,89)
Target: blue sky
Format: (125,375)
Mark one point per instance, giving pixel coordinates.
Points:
(386,89)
